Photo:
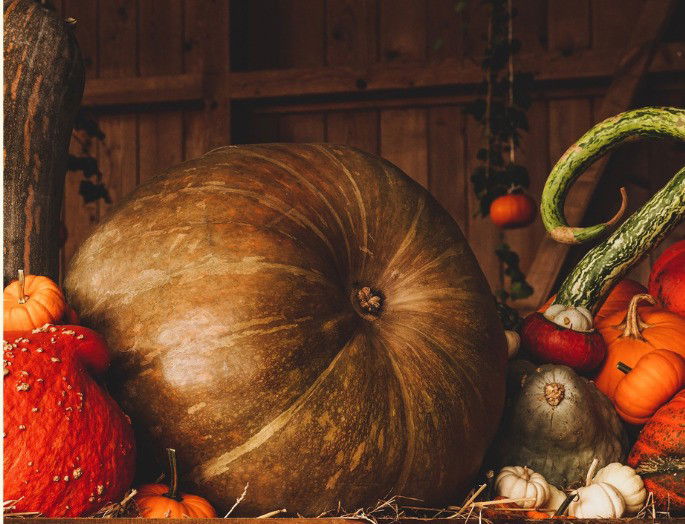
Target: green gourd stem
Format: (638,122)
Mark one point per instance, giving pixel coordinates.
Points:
(592,278)
(647,122)
(623,368)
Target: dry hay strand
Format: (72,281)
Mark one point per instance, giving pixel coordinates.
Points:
(649,511)
(9,505)
(127,507)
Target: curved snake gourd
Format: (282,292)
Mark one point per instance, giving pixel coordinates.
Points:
(603,265)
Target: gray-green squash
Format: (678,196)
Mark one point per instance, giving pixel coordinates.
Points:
(557,423)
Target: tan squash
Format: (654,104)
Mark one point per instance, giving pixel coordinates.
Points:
(305,318)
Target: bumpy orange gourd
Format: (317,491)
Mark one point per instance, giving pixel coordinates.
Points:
(656,377)
(512,211)
(633,333)
(659,456)
(157,501)
(31,302)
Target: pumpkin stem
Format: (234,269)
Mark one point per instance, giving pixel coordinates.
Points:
(554,393)
(591,472)
(173,475)
(370,301)
(22,280)
(625,368)
(633,325)
(564,505)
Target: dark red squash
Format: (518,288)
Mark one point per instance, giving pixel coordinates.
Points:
(659,456)
(305,318)
(68,448)
(667,279)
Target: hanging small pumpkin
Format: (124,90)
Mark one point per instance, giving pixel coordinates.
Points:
(512,211)
(658,456)
(516,482)
(631,334)
(597,501)
(157,501)
(653,381)
(626,481)
(31,302)
(667,278)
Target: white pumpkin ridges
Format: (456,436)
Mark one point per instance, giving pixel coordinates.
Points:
(518,482)
(597,501)
(627,482)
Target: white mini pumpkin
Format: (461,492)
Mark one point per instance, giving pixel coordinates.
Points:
(597,501)
(518,482)
(556,499)
(627,482)
(576,318)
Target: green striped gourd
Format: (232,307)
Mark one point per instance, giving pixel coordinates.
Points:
(570,338)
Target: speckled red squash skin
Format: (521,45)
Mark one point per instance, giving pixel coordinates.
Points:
(663,438)
(68,448)
(667,283)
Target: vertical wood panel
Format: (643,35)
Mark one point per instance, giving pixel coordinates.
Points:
(449,181)
(86,14)
(118,154)
(354,128)
(568,25)
(351,32)
(445,29)
(301,33)
(304,127)
(483,235)
(402,30)
(206,50)
(404,141)
(612,22)
(532,155)
(160,132)
(476,17)
(79,218)
(530,25)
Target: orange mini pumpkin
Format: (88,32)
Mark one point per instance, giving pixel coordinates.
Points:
(512,211)
(31,302)
(633,333)
(158,501)
(653,381)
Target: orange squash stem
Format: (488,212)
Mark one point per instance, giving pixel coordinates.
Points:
(22,296)
(633,324)
(173,475)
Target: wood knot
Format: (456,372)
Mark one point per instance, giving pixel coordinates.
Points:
(554,393)
(370,301)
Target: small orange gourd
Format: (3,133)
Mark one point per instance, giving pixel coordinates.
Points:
(31,302)
(633,333)
(653,381)
(512,210)
(158,501)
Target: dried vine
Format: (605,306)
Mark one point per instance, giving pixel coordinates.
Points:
(502,113)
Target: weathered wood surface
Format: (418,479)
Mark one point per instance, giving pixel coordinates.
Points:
(629,73)
(43,75)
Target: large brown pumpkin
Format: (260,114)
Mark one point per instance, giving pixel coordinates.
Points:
(302,318)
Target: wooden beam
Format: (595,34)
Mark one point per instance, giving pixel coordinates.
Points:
(631,69)
(143,90)
(551,67)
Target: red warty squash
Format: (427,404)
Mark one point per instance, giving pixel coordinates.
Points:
(659,456)
(302,318)
(667,279)
(68,448)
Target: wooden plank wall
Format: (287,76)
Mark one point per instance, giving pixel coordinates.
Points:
(426,134)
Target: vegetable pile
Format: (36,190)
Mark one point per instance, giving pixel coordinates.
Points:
(628,343)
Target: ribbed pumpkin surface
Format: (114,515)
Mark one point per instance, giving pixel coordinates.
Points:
(229,289)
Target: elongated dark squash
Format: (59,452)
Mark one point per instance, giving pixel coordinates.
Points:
(43,74)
